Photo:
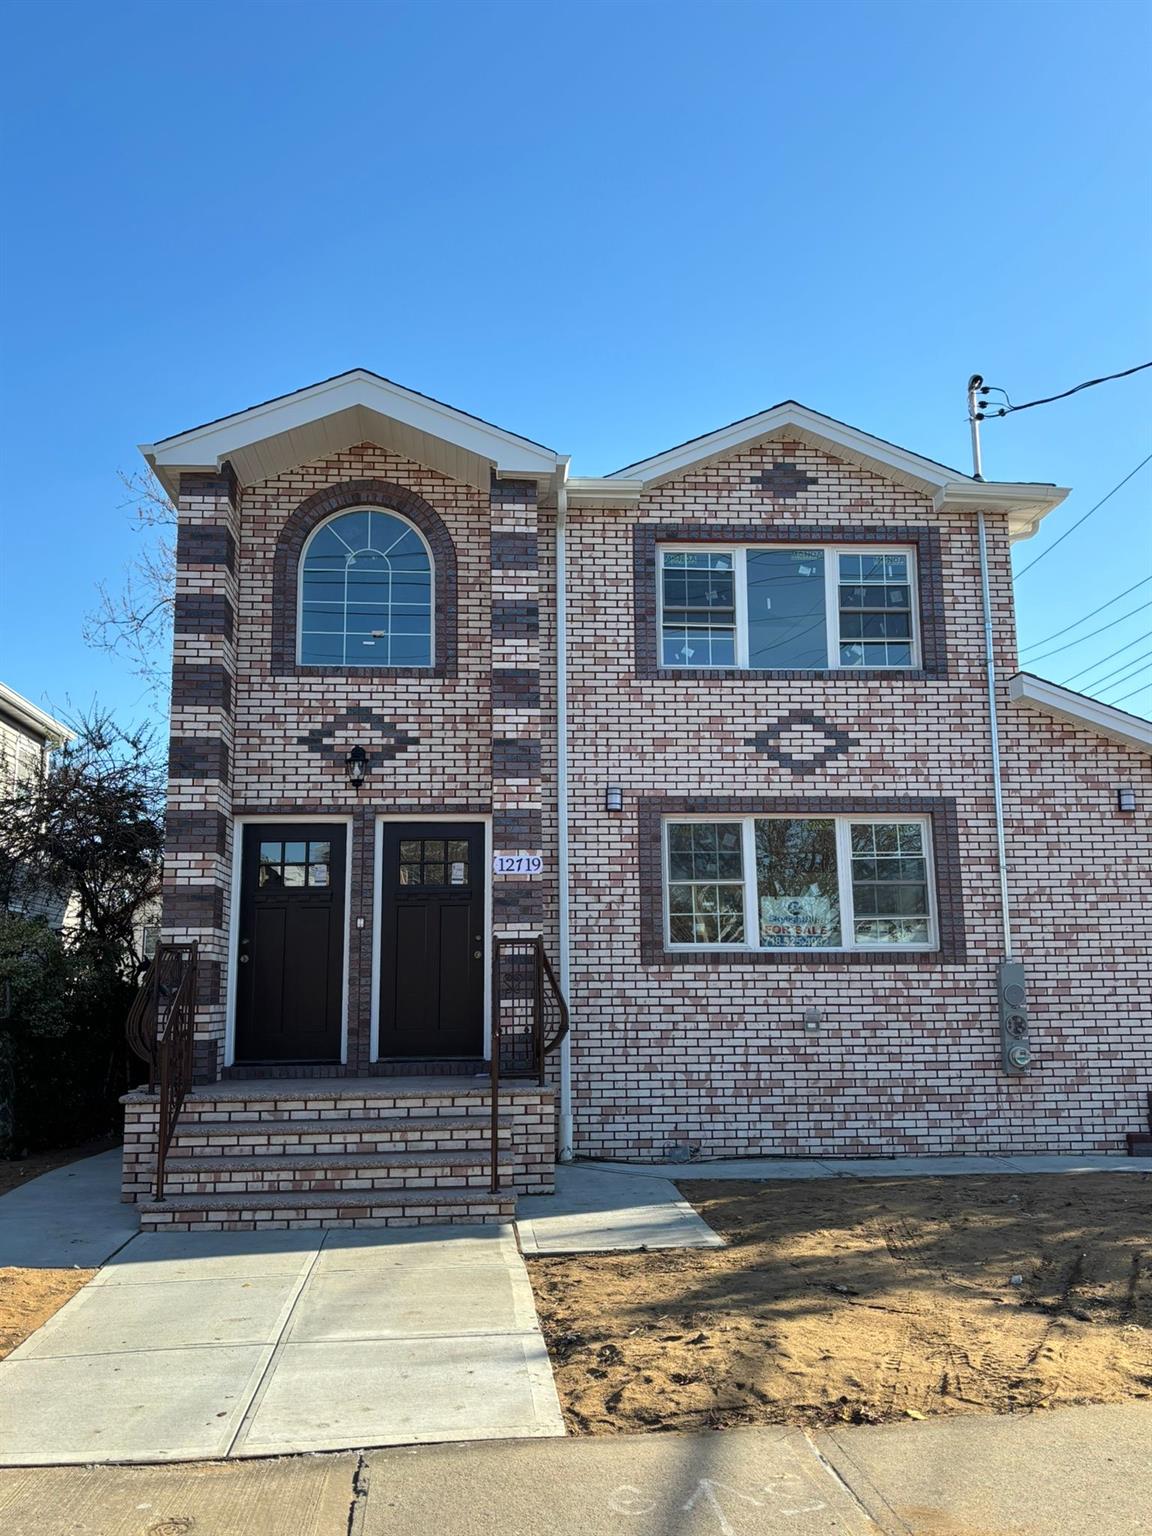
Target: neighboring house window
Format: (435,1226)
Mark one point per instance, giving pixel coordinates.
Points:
(789,882)
(782,607)
(366,593)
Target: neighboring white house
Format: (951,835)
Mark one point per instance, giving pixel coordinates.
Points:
(28,737)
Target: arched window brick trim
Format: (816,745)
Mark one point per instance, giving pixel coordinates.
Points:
(289,547)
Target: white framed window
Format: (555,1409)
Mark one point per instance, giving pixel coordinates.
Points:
(784,606)
(365,593)
(786,882)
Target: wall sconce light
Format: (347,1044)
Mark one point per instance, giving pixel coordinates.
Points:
(356,766)
(1125,799)
(613,797)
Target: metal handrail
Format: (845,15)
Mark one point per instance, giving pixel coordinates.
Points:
(174,1052)
(525,989)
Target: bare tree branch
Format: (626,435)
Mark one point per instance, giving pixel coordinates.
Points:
(136,621)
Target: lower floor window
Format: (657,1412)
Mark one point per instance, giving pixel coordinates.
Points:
(791,882)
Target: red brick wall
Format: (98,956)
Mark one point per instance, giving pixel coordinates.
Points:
(715,1058)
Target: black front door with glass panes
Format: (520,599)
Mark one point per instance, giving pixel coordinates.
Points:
(290,954)
(432,940)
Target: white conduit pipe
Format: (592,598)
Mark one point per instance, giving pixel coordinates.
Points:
(562,855)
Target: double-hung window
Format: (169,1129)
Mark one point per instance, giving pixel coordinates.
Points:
(798,882)
(763,606)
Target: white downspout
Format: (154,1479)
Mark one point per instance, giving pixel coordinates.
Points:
(562,855)
(974,418)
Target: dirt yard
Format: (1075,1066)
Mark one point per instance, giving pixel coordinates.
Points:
(29,1297)
(862,1301)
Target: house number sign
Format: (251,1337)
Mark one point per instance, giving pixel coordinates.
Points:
(517,863)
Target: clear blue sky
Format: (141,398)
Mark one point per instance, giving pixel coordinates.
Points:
(607,226)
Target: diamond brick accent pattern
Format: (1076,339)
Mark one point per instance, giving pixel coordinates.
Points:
(801,742)
(320,738)
(783,481)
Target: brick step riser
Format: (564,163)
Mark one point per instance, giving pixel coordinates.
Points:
(480,1213)
(309,1146)
(220,1111)
(320,1184)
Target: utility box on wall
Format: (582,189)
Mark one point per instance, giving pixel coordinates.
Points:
(1015,1045)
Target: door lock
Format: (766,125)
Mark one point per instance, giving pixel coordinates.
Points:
(477,954)
(243,959)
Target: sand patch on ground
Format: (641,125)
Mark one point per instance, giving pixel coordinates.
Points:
(29,1297)
(861,1302)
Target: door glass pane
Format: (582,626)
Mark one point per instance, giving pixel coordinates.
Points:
(409,874)
(317,874)
(319,853)
(270,875)
(271,853)
(294,874)
(796,887)
(433,849)
(786,625)
(458,850)
(296,853)
(434,874)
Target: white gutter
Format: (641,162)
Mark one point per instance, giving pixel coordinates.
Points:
(562,855)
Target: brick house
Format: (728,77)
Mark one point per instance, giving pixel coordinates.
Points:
(715,727)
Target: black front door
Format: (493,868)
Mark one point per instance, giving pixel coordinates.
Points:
(290,961)
(432,938)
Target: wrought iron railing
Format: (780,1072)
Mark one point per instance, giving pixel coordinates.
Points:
(529,1020)
(161,1029)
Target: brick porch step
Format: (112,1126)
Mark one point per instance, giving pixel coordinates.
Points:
(276,1171)
(377,1208)
(425,1133)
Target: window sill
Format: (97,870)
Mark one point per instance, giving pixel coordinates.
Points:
(784,674)
(710,958)
(312,669)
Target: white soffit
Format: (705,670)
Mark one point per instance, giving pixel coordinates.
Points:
(1025,504)
(327,418)
(1077,709)
(31,717)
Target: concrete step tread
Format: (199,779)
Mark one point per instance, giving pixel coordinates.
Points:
(327,1199)
(373,1125)
(386,1161)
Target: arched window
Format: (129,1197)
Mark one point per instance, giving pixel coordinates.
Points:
(366,593)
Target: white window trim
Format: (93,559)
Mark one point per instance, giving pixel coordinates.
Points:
(832,553)
(843,821)
(359,666)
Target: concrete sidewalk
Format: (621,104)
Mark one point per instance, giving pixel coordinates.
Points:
(604,1210)
(191,1346)
(1061,1473)
(69,1218)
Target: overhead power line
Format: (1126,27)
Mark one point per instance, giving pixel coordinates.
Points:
(1130,677)
(1104,660)
(1098,682)
(1131,695)
(1092,633)
(1085,617)
(1008,408)
(1044,553)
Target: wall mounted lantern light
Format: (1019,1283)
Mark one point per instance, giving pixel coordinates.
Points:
(356,766)
(1125,799)
(613,797)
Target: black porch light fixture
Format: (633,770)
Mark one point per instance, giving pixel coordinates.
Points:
(356,766)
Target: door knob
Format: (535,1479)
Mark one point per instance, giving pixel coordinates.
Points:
(243,959)
(477,954)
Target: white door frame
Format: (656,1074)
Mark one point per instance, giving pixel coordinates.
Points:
(303,818)
(377,905)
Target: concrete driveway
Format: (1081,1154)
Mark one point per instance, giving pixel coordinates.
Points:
(207,1345)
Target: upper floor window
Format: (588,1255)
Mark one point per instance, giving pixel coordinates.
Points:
(763,606)
(366,593)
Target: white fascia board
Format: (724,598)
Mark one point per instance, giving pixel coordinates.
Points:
(731,439)
(1077,709)
(1024,504)
(597,491)
(211,445)
(30,716)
